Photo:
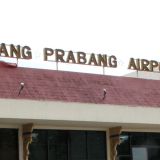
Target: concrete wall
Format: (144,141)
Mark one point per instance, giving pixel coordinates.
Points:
(62,114)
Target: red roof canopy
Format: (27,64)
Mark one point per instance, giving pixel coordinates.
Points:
(52,85)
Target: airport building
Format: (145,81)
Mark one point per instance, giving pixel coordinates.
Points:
(57,115)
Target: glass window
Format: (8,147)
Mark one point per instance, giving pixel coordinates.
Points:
(9,144)
(154,153)
(139,146)
(124,148)
(57,143)
(78,145)
(96,145)
(68,145)
(139,153)
(39,145)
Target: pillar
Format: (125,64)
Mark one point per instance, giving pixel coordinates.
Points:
(27,130)
(114,135)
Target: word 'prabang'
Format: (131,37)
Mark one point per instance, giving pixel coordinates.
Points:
(79,58)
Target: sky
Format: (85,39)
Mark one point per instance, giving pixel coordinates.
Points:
(124,28)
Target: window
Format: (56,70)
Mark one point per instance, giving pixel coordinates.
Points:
(139,146)
(139,153)
(68,145)
(8,144)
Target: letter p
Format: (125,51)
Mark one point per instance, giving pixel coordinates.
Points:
(47,52)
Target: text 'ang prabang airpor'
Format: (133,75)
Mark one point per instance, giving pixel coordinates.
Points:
(59,55)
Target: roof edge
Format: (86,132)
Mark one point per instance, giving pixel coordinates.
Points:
(8,64)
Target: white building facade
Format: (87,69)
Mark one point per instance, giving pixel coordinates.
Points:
(46,115)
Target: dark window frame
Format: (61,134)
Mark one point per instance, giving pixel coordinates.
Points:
(148,140)
(9,141)
(68,133)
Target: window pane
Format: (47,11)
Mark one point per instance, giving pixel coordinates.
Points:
(9,144)
(153,139)
(96,145)
(124,158)
(139,139)
(154,153)
(144,145)
(38,147)
(57,145)
(139,153)
(68,145)
(77,145)
(124,147)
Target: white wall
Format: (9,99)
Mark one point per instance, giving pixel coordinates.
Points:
(144,75)
(62,114)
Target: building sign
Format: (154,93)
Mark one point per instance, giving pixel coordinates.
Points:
(144,65)
(59,55)
(15,51)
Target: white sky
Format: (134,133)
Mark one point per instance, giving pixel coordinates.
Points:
(124,28)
